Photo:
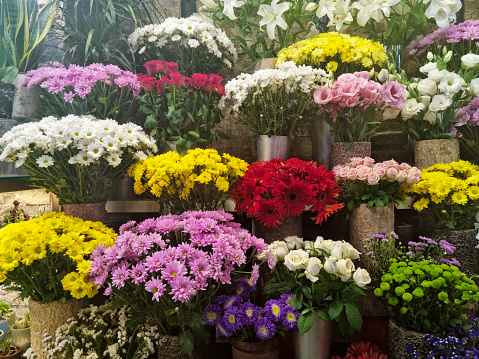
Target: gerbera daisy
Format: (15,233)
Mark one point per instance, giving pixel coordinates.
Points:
(292,198)
(268,214)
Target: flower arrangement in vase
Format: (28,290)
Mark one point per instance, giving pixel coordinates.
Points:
(322,278)
(201,179)
(169,268)
(336,53)
(272,191)
(103,91)
(78,158)
(283,22)
(179,108)
(195,44)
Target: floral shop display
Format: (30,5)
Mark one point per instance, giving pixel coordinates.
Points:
(336,53)
(325,285)
(46,259)
(254,330)
(459,342)
(78,158)
(370,191)
(102,332)
(277,192)
(169,268)
(272,103)
(466,127)
(423,298)
(195,44)
(261,29)
(200,179)
(103,91)
(356,106)
(181,111)
(448,196)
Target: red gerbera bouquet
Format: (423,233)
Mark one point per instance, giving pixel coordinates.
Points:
(271,191)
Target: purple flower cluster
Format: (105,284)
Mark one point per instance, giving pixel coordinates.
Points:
(467,31)
(235,316)
(429,249)
(467,115)
(461,342)
(174,255)
(79,81)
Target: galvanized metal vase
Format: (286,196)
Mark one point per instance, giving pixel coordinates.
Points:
(273,147)
(315,343)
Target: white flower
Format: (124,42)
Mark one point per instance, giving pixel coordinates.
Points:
(176,38)
(427,87)
(294,242)
(470,60)
(383,75)
(390,113)
(229,8)
(475,86)
(311,6)
(440,103)
(344,269)
(342,15)
(361,277)
(326,7)
(443,11)
(410,108)
(296,259)
(330,265)
(281,250)
(210,4)
(368,9)
(193,43)
(430,117)
(323,244)
(44,161)
(313,268)
(437,75)
(272,16)
(451,84)
(428,67)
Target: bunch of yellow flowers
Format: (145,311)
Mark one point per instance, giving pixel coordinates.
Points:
(334,52)
(199,180)
(450,193)
(46,258)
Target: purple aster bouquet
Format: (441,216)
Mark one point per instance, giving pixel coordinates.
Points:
(235,317)
(103,91)
(169,268)
(466,128)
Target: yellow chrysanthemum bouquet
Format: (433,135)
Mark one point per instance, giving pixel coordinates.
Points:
(337,53)
(449,194)
(199,180)
(46,258)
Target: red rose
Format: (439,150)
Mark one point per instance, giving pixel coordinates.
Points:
(171,68)
(176,79)
(154,67)
(160,87)
(216,79)
(146,81)
(199,80)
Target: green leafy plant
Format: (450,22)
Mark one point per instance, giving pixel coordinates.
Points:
(5,309)
(25,29)
(7,348)
(95,31)
(426,297)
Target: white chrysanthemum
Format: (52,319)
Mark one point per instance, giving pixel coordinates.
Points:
(45,161)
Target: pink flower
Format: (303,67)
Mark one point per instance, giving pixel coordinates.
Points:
(393,94)
(353,174)
(362,74)
(373,179)
(156,287)
(368,161)
(344,172)
(323,95)
(392,173)
(412,178)
(363,172)
(356,161)
(380,170)
(404,166)
(401,177)
(182,288)
(254,274)
(172,270)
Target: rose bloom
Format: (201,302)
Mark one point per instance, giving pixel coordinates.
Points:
(363,172)
(353,174)
(373,178)
(368,161)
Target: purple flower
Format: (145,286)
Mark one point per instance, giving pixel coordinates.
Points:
(221,330)
(200,267)
(173,270)
(155,262)
(286,299)
(120,275)
(231,301)
(68,97)
(141,244)
(290,318)
(182,288)
(155,286)
(127,226)
(138,273)
(265,330)
(274,310)
(250,313)
(447,246)
(212,314)
(233,319)
(254,274)
(244,287)
(147,226)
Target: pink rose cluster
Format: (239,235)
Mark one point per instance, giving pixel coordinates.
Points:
(174,255)
(365,169)
(357,90)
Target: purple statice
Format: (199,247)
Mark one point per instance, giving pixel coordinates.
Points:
(467,116)
(449,248)
(264,329)
(429,249)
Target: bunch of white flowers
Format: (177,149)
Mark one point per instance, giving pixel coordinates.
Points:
(101,332)
(183,35)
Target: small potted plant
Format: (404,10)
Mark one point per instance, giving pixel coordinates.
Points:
(21,332)
(7,313)
(9,351)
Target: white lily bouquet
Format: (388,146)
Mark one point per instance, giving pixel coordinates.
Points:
(274,102)
(78,158)
(195,44)
(321,276)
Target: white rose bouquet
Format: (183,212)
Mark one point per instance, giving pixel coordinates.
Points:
(321,276)
(78,158)
(274,102)
(196,45)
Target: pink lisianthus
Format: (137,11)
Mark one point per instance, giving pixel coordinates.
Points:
(393,94)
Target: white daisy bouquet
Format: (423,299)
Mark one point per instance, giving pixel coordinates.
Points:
(78,158)
(195,44)
(274,102)
(429,111)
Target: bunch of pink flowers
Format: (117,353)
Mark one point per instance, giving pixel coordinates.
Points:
(365,169)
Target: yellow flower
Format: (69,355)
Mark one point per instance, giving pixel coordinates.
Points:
(421,204)
(473,192)
(459,198)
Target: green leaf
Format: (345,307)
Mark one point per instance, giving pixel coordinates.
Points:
(136,319)
(297,301)
(321,313)
(102,100)
(354,316)
(150,121)
(305,322)
(186,341)
(194,134)
(378,202)
(335,308)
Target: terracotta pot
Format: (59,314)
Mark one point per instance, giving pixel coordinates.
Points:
(364,222)
(430,152)
(17,355)
(46,318)
(399,338)
(291,226)
(341,155)
(466,253)
(266,350)
(94,212)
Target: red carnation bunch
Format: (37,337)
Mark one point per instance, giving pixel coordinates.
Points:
(180,109)
(271,191)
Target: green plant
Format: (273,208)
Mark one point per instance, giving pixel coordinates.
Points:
(5,309)
(24,322)
(426,297)
(95,31)
(24,29)
(7,349)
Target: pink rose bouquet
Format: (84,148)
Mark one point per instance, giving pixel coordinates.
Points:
(356,105)
(169,268)
(375,184)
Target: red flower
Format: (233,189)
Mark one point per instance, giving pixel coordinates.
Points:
(221,90)
(199,80)
(146,81)
(268,214)
(216,79)
(176,79)
(291,198)
(364,350)
(171,68)
(154,67)
(159,86)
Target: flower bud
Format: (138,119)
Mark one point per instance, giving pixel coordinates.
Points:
(430,56)
(448,56)
(311,6)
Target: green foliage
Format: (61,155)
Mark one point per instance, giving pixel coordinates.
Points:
(5,309)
